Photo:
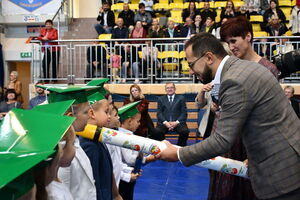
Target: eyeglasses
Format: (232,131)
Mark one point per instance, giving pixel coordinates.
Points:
(191,65)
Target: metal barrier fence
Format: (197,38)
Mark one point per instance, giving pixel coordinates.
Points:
(123,61)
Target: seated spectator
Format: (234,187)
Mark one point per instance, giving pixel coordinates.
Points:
(289,93)
(155,31)
(264,5)
(295,19)
(106,18)
(149,59)
(275,27)
(206,11)
(273,10)
(188,29)
(96,58)
(120,31)
(253,6)
(15,84)
(143,16)
(199,24)
(148,6)
(209,25)
(228,11)
(129,60)
(138,32)
(128,16)
(9,103)
(40,98)
(171,32)
(171,115)
(191,11)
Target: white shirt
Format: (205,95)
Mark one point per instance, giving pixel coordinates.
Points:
(78,177)
(295,20)
(105,18)
(58,191)
(173,96)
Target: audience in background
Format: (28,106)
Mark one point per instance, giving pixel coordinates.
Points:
(39,98)
(295,19)
(206,11)
(136,94)
(96,58)
(143,16)
(138,32)
(199,24)
(128,16)
(191,11)
(289,93)
(9,103)
(148,6)
(209,25)
(228,11)
(15,84)
(120,31)
(188,29)
(106,17)
(273,10)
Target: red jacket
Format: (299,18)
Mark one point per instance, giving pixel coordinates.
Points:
(52,35)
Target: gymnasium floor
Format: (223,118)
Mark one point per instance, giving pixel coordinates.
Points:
(172,181)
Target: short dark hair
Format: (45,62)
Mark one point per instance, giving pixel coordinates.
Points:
(9,91)
(49,21)
(141,5)
(206,42)
(236,27)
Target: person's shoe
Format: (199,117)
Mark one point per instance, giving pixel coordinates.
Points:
(136,81)
(123,80)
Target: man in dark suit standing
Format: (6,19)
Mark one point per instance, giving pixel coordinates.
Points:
(171,115)
(106,17)
(253,106)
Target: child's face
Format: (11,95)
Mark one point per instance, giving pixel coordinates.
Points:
(135,122)
(114,119)
(101,115)
(68,151)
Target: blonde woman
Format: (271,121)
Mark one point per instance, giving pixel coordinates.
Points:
(137,95)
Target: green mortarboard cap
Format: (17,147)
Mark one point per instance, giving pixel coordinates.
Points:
(95,95)
(63,93)
(98,82)
(27,138)
(129,110)
(58,108)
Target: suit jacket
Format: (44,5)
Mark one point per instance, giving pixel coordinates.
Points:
(254,106)
(295,105)
(110,18)
(174,111)
(185,30)
(78,177)
(101,165)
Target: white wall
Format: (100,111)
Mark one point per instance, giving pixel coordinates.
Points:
(86,8)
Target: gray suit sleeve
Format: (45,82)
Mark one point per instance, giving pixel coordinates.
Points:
(234,111)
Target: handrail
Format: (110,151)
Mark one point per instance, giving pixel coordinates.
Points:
(62,4)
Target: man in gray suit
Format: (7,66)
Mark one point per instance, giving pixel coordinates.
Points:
(253,105)
(171,115)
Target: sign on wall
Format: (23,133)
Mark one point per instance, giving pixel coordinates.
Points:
(37,7)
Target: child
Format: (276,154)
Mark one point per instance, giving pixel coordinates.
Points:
(98,154)
(78,177)
(121,170)
(115,66)
(56,189)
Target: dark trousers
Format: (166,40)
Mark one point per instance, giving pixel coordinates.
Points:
(53,58)
(126,190)
(91,70)
(181,129)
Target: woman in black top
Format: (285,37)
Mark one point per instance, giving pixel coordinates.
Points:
(191,11)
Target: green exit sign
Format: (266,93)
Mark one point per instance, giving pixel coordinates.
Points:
(26,54)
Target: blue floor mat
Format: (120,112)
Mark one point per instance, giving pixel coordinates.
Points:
(172,181)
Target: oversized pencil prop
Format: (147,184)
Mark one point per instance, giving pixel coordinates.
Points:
(149,146)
